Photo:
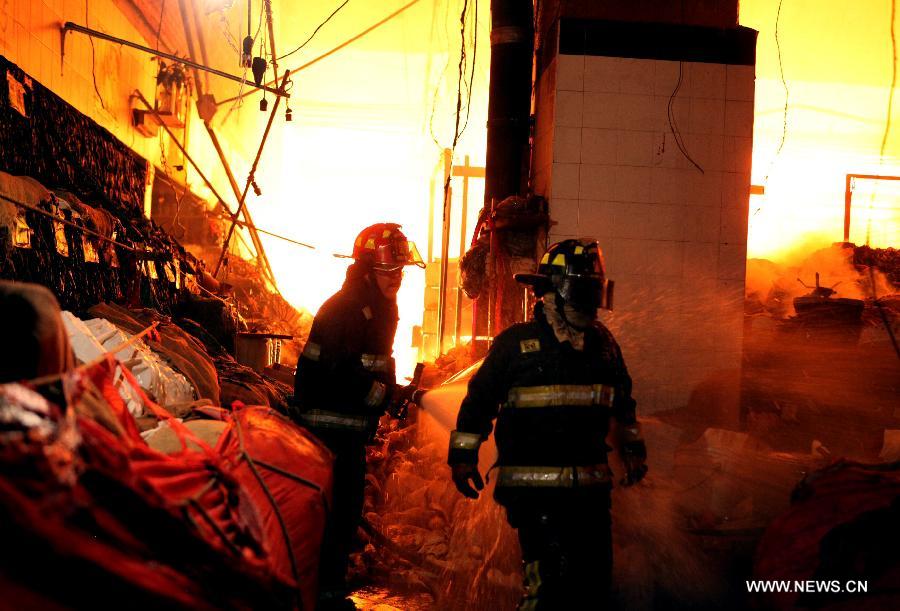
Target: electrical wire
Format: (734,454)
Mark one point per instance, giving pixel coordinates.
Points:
(787,95)
(437,89)
(269,233)
(472,74)
(87,23)
(461,83)
(316,31)
(673,123)
(884,139)
(346,43)
(783,80)
(890,104)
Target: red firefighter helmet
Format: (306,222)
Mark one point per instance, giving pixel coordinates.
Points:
(386,247)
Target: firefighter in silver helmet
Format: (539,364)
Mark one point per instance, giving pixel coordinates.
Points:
(555,385)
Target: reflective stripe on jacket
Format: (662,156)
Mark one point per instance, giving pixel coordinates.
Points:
(552,404)
(345,372)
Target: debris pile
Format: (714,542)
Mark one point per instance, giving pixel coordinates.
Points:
(84,496)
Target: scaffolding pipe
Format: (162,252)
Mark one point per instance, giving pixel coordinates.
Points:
(462,249)
(251,174)
(262,261)
(445,249)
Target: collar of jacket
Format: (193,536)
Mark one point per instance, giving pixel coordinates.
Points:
(362,286)
(591,334)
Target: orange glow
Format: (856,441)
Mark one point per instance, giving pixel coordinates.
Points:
(361,147)
(837,65)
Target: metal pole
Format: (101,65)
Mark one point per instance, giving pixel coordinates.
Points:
(462,250)
(430,252)
(251,174)
(848,194)
(445,249)
(74,27)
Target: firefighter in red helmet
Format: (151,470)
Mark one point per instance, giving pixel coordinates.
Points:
(555,384)
(345,381)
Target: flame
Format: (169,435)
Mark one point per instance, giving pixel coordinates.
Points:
(826,119)
(365,145)
(802,209)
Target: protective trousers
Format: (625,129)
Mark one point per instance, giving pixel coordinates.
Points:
(566,546)
(346,509)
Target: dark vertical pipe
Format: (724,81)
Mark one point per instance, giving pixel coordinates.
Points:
(509,102)
(508,129)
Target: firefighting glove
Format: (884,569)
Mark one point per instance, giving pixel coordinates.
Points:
(400,399)
(634,457)
(461,476)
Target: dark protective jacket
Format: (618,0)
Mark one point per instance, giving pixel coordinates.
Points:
(552,403)
(346,373)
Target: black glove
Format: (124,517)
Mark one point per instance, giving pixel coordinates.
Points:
(634,457)
(398,407)
(461,476)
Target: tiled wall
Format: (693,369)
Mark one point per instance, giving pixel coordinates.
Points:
(30,38)
(674,238)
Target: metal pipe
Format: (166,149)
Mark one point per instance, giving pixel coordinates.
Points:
(462,251)
(262,260)
(508,127)
(445,249)
(74,27)
(509,101)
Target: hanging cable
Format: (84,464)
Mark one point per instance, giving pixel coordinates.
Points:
(673,123)
(884,139)
(783,80)
(93,59)
(316,31)
(787,94)
(472,73)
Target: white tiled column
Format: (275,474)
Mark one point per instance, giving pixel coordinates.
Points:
(674,237)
